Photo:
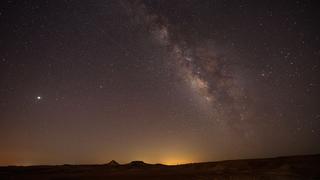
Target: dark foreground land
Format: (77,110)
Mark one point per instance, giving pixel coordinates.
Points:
(294,167)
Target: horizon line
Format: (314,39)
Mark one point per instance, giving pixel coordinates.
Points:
(178,164)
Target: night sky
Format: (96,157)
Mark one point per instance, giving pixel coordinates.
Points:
(173,81)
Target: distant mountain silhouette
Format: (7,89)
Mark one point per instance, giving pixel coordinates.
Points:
(138,164)
(113,163)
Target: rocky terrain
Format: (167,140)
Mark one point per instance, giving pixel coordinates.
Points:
(294,167)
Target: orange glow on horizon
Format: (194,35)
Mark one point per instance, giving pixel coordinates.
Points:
(176,160)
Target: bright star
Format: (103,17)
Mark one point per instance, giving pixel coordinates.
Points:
(39,97)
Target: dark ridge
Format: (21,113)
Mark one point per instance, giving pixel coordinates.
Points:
(138,164)
(113,163)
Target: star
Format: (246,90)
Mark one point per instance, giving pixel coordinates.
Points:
(38,98)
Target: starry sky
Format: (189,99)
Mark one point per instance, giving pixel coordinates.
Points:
(159,81)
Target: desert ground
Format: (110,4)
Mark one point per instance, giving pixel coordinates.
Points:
(293,167)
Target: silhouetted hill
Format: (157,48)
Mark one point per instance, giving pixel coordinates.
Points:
(113,163)
(138,164)
(294,167)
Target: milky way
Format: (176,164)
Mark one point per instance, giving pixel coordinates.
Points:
(205,70)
